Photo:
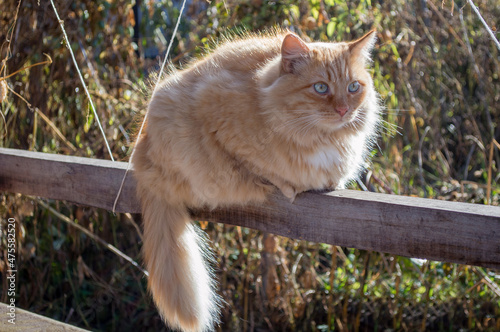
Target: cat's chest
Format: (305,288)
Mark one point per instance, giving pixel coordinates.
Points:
(324,158)
(321,168)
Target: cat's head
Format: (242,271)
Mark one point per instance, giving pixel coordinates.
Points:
(322,85)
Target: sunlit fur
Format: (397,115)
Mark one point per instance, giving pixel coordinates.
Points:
(230,129)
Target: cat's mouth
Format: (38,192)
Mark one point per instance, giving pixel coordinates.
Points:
(349,116)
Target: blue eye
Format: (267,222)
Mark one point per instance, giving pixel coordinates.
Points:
(353,87)
(320,88)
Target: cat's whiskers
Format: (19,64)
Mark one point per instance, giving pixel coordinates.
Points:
(299,127)
(389,128)
(395,111)
(304,131)
(384,127)
(296,121)
(359,123)
(354,124)
(292,130)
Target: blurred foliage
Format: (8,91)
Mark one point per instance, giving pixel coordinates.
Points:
(436,70)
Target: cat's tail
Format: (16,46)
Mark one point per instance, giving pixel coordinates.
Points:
(176,256)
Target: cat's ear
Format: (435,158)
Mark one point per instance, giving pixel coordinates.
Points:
(362,47)
(292,50)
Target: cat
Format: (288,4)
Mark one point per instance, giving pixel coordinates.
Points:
(258,114)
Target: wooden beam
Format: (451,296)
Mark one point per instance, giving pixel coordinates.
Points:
(28,321)
(407,226)
(91,182)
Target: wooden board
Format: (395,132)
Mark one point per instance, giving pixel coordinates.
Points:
(407,226)
(92,182)
(28,321)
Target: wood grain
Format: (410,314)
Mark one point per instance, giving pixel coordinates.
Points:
(28,321)
(92,182)
(406,226)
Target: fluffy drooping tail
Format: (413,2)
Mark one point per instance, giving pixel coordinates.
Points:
(180,279)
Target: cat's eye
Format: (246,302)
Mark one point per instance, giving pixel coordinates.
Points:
(320,88)
(353,87)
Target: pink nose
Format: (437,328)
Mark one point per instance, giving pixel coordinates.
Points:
(341,110)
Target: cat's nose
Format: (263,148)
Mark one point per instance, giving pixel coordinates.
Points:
(341,110)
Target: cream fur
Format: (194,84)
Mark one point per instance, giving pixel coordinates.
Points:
(230,128)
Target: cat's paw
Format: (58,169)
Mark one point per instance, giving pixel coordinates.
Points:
(286,188)
(289,192)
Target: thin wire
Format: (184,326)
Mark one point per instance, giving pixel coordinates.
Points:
(492,35)
(147,112)
(66,39)
(90,234)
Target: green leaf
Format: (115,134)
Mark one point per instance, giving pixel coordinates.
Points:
(315,13)
(88,123)
(294,9)
(330,29)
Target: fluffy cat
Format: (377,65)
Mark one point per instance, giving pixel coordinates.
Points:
(258,113)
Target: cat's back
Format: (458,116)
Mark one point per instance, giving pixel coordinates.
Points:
(245,53)
(217,93)
(224,74)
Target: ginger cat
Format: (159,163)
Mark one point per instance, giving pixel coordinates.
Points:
(258,113)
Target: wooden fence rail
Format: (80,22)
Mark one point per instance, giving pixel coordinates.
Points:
(407,226)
